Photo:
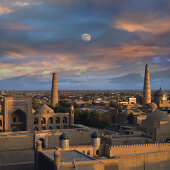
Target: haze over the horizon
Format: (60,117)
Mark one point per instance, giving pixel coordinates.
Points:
(38,37)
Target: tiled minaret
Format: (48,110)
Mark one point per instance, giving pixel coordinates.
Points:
(146,87)
(54,90)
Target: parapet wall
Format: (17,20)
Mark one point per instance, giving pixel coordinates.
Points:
(116,150)
(16,142)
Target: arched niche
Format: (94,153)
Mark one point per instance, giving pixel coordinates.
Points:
(18,121)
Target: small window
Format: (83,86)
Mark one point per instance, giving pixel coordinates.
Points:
(97,152)
(43,128)
(36,129)
(43,120)
(51,120)
(57,120)
(50,128)
(64,120)
(57,127)
(35,121)
(0,122)
(88,152)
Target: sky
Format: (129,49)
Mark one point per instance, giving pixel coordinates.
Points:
(38,37)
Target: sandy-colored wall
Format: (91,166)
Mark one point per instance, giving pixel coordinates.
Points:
(17,160)
(16,156)
(75,137)
(18,142)
(148,161)
(125,139)
(21,166)
(136,149)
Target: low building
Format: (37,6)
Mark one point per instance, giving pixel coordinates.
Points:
(158,124)
(45,119)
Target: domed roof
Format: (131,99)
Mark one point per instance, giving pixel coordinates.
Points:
(95,135)
(160,93)
(44,109)
(64,136)
(158,115)
(152,106)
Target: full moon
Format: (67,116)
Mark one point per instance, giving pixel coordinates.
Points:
(86,37)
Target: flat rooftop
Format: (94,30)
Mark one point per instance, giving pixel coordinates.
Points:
(69,156)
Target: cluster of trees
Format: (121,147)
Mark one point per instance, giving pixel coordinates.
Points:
(92,118)
(61,107)
(115,106)
(130,118)
(85,117)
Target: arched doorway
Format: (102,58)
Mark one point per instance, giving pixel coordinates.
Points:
(18,121)
(50,120)
(35,121)
(64,120)
(57,120)
(43,142)
(43,121)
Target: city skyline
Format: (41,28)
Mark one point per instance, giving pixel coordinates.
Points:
(38,38)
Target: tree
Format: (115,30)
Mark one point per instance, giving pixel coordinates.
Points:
(75,105)
(130,118)
(85,98)
(115,105)
(62,107)
(92,119)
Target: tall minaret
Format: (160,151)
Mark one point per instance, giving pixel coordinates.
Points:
(146,87)
(54,90)
(71,115)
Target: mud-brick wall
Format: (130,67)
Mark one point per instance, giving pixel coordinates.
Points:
(16,160)
(18,142)
(75,138)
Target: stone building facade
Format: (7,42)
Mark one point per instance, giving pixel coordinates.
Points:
(16,114)
(45,119)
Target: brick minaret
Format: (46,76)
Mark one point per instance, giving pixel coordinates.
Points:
(54,90)
(146,87)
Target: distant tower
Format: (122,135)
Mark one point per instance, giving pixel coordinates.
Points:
(2,92)
(146,87)
(71,115)
(54,90)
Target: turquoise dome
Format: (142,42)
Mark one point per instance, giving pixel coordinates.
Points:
(95,135)
(64,136)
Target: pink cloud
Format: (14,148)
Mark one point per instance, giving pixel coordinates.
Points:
(150,24)
(16,26)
